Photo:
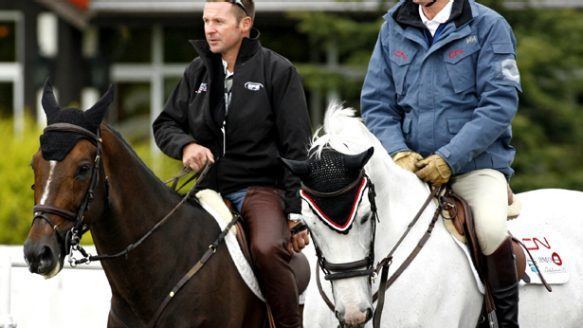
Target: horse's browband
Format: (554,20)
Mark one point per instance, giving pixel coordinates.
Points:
(67,127)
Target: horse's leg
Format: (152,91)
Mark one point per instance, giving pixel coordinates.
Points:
(114,322)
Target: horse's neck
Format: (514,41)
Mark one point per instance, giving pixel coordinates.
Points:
(400,195)
(136,197)
(137,201)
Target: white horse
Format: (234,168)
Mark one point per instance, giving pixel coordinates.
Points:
(438,288)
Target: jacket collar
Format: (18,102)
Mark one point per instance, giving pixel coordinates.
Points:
(408,14)
(248,49)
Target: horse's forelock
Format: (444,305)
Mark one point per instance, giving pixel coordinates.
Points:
(341,131)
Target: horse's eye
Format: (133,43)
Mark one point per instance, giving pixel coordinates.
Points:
(365,218)
(83,170)
(32,186)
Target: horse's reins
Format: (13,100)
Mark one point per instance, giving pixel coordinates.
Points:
(73,237)
(91,258)
(346,270)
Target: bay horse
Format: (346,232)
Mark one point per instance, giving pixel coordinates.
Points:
(437,289)
(126,201)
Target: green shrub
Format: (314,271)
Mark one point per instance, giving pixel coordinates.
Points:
(16,178)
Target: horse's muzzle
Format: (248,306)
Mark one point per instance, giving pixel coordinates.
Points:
(40,257)
(354,319)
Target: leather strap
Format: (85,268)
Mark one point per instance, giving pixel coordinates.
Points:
(67,215)
(328,302)
(67,127)
(385,284)
(194,270)
(542,278)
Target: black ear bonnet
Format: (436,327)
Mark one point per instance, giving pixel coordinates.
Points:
(330,172)
(55,145)
(333,185)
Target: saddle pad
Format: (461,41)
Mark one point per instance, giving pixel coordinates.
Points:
(466,251)
(544,246)
(213,203)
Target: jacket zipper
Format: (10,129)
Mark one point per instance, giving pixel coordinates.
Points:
(223,130)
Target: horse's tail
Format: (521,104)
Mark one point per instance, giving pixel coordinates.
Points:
(341,128)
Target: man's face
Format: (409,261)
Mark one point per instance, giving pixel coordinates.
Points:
(422,2)
(222,31)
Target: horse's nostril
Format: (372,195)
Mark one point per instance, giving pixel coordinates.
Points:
(368,314)
(46,254)
(45,260)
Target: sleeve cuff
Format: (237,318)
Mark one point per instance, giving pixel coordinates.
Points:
(295,217)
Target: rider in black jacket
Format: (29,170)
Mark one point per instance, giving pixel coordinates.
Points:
(241,107)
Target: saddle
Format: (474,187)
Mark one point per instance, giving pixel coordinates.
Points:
(457,214)
(298,263)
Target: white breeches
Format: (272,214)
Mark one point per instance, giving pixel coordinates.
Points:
(487,194)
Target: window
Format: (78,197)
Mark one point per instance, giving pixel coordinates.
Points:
(6,100)
(7,41)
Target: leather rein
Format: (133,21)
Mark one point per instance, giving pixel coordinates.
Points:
(338,271)
(73,236)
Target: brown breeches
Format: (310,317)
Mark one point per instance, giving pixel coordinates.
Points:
(269,235)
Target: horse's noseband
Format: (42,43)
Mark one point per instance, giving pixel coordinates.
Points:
(72,237)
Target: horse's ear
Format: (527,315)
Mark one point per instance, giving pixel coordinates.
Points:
(298,168)
(358,161)
(50,105)
(96,113)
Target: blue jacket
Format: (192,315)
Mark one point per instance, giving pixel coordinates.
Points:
(455,97)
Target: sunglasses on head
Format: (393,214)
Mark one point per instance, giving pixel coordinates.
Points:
(240,4)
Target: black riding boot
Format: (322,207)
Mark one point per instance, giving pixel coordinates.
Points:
(504,281)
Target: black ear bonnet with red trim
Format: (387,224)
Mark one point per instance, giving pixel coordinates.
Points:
(333,185)
(55,145)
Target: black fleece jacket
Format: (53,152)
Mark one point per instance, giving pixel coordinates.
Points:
(267,119)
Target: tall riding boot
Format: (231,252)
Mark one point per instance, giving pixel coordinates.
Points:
(504,281)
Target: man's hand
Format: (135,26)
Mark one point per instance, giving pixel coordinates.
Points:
(434,170)
(195,157)
(299,240)
(407,160)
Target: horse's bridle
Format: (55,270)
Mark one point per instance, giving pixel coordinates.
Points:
(73,236)
(351,269)
(364,267)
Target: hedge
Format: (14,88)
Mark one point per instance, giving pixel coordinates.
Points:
(16,178)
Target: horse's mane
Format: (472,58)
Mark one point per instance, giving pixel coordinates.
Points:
(341,131)
(128,148)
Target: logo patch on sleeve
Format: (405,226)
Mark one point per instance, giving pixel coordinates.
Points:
(202,88)
(510,70)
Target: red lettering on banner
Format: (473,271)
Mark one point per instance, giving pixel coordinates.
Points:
(535,243)
(557,259)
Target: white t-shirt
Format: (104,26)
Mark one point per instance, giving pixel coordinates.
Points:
(228,86)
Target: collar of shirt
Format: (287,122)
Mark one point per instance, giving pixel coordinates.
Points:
(441,17)
(227,73)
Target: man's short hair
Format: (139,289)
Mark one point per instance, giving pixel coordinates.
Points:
(244,8)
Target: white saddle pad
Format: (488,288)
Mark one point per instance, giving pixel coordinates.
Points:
(213,203)
(544,248)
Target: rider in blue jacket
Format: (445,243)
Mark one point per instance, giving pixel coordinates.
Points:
(440,94)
